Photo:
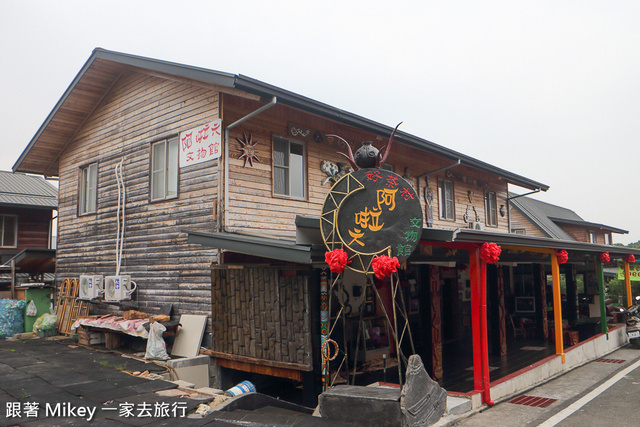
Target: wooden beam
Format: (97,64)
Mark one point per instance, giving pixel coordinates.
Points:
(256,361)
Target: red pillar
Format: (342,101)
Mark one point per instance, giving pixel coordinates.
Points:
(474,270)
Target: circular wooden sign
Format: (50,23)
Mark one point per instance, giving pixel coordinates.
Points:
(371,212)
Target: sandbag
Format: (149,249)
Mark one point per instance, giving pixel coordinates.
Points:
(156,348)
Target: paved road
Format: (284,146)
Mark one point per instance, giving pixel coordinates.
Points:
(599,393)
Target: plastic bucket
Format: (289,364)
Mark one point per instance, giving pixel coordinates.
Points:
(243,387)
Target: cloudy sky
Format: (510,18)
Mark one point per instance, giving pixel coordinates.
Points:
(547,89)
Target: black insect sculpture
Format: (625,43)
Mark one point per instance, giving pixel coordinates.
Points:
(367,156)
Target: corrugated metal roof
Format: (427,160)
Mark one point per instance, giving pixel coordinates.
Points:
(546,217)
(17,189)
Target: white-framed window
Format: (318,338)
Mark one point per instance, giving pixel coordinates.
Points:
(289,168)
(592,236)
(88,188)
(520,231)
(607,238)
(490,208)
(164,169)
(445,199)
(8,231)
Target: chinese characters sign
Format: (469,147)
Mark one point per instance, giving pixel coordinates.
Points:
(634,271)
(200,144)
(372,212)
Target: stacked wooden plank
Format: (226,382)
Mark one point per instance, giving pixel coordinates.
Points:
(68,306)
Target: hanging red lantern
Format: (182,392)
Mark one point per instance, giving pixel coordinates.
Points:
(563,256)
(490,252)
(383,266)
(631,258)
(604,257)
(337,260)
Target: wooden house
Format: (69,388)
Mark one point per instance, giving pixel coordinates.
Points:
(217,182)
(27,204)
(537,218)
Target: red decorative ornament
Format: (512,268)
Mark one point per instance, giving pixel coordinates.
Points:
(563,256)
(604,257)
(383,266)
(337,260)
(631,258)
(490,252)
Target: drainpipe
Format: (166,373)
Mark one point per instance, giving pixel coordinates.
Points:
(227,130)
(557,306)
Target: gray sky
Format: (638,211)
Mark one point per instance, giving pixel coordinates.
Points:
(547,89)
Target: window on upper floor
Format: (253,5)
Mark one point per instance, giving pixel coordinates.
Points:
(607,238)
(9,231)
(164,169)
(490,208)
(445,199)
(521,231)
(88,189)
(289,168)
(592,236)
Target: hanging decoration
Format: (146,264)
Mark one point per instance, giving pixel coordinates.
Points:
(490,253)
(604,257)
(384,265)
(248,149)
(367,156)
(631,259)
(563,256)
(337,260)
(324,326)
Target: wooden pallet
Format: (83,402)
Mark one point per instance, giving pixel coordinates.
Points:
(68,307)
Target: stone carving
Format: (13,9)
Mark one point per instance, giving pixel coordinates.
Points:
(422,400)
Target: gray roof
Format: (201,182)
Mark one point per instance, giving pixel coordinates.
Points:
(20,190)
(54,139)
(546,217)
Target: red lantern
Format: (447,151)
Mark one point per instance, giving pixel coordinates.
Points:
(490,252)
(337,260)
(604,257)
(383,266)
(631,258)
(563,256)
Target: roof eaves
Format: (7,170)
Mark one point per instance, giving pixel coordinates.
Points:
(298,101)
(589,224)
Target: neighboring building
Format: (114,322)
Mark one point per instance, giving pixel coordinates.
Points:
(27,205)
(533,217)
(205,180)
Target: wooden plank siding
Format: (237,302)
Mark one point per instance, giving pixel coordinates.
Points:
(254,208)
(33,228)
(518,221)
(141,109)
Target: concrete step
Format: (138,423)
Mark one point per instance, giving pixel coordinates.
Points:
(458,405)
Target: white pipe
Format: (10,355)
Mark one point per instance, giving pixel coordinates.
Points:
(121,203)
(225,207)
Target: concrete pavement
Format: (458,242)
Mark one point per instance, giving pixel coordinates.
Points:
(558,394)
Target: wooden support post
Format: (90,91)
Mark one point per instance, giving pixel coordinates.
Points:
(436,321)
(502,313)
(543,302)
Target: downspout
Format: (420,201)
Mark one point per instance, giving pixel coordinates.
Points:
(225,207)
